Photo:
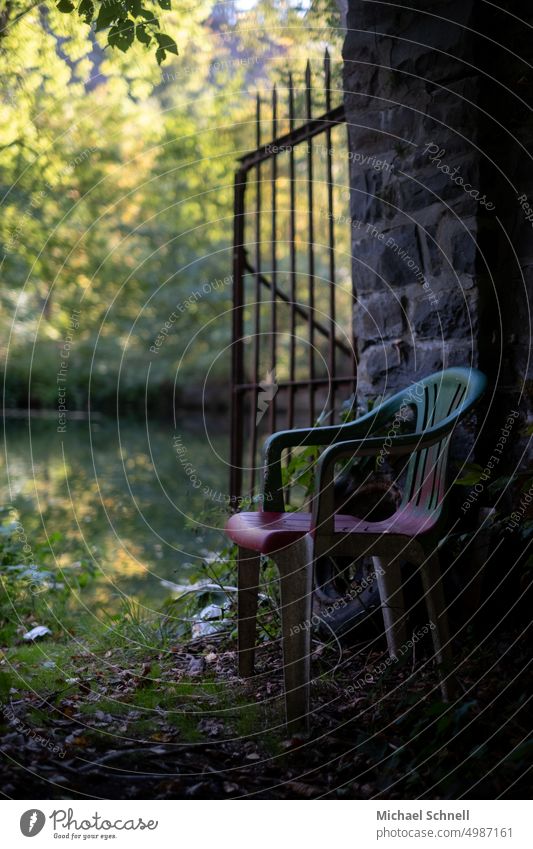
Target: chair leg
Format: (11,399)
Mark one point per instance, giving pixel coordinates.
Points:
(435,603)
(389,582)
(248,591)
(295,567)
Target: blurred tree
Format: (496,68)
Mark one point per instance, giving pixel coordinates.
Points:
(122,21)
(116,196)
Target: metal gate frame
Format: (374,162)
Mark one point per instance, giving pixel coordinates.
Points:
(242,266)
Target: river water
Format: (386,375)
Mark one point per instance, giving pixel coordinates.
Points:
(143,502)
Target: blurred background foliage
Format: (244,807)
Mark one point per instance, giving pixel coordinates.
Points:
(116,183)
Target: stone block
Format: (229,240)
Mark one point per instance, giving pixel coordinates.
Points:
(454,316)
(380,370)
(378,317)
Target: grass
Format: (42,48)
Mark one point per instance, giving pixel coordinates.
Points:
(145,693)
(124,686)
(147,710)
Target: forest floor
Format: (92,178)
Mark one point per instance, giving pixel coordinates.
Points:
(131,723)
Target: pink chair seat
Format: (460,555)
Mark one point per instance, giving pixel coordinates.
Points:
(269,532)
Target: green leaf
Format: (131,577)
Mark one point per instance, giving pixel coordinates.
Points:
(65,6)
(122,34)
(134,6)
(142,35)
(109,13)
(148,16)
(472,475)
(166,45)
(165,4)
(86,10)
(166,42)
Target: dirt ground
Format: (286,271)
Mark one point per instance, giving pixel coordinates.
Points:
(183,725)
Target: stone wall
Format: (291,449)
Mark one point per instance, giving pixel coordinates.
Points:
(434,129)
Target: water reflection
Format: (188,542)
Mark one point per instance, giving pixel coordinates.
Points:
(121,496)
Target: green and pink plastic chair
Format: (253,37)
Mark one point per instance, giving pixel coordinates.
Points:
(296,540)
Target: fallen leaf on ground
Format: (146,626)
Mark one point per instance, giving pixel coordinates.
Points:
(196,666)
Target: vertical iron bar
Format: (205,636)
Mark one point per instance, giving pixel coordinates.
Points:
(257,307)
(331,248)
(274,270)
(354,297)
(292,237)
(311,250)
(237,354)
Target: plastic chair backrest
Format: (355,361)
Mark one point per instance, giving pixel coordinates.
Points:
(442,398)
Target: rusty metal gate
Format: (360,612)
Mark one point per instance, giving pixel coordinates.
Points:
(293,351)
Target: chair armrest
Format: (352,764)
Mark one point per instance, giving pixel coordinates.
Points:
(275,444)
(273,449)
(323,506)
